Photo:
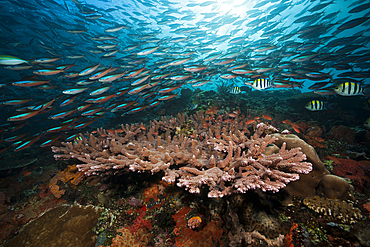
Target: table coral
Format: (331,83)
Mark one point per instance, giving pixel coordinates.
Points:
(220,156)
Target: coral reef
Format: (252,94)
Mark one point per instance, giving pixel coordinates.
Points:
(334,209)
(215,155)
(220,156)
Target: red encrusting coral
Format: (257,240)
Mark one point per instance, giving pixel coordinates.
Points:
(358,171)
(343,133)
(140,222)
(207,236)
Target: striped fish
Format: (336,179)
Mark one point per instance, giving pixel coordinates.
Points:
(260,83)
(235,90)
(349,89)
(315,105)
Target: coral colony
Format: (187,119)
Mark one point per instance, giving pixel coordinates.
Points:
(220,156)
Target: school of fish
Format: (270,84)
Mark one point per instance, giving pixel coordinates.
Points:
(66,64)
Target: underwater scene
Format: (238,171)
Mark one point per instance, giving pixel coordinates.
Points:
(173,123)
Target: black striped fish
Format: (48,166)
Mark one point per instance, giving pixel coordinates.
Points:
(235,90)
(260,83)
(315,105)
(349,89)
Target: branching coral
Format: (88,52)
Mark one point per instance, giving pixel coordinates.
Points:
(220,155)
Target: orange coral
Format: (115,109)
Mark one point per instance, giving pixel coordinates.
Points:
(70,174)
(55,190)
(177,231)
(150,192)
(153,190)
(139,222)
(289,237)
(194,222)
(77,178)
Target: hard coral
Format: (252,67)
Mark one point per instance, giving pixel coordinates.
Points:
(194,222)
(223,157)
(308,183)
(288,240)
(334,209)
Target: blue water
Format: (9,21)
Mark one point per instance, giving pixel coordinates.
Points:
(33,30)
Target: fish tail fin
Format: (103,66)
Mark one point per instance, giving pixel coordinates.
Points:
(367,90)
(329,105)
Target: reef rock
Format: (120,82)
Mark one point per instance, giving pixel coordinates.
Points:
(61,226)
